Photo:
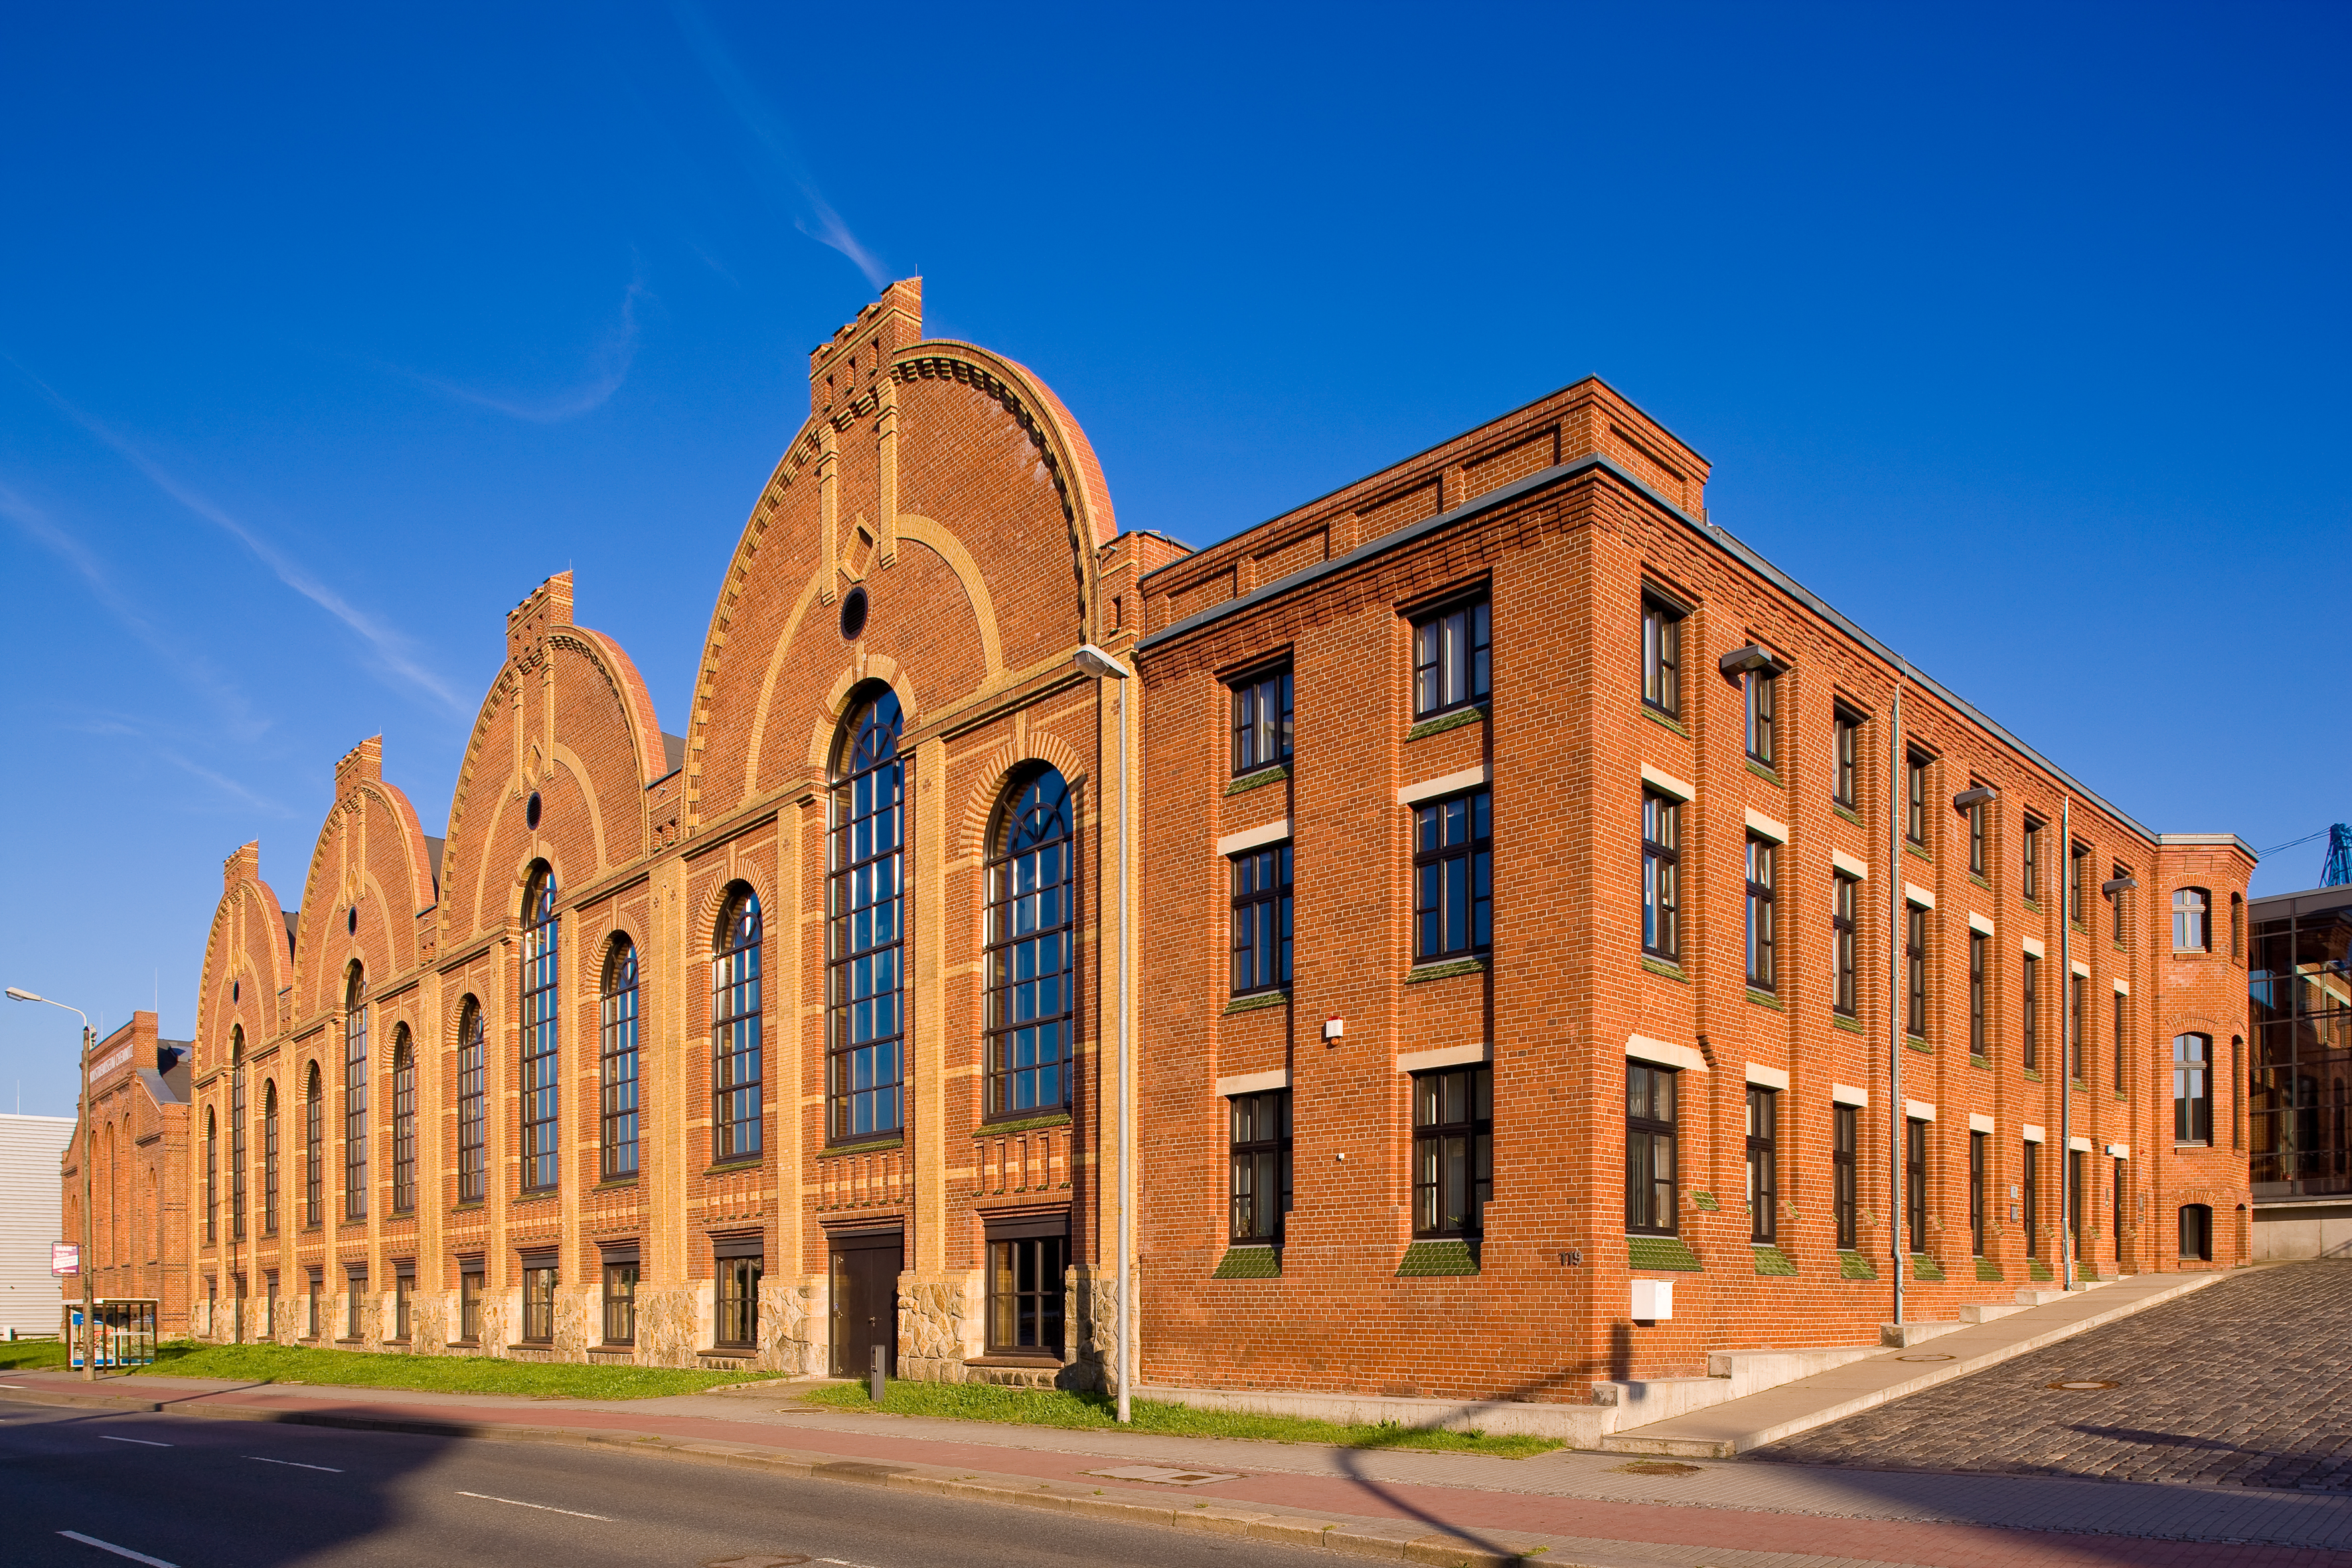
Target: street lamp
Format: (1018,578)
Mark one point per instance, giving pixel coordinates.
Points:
(1093,662)
(88,1294)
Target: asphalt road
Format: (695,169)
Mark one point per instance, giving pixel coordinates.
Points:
(234,1494)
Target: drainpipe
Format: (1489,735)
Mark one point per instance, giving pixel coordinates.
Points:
(1898,1214)
(2066,1042)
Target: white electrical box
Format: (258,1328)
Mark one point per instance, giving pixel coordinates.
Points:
(1654,1300)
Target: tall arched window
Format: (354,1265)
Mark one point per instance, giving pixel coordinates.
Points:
(108,1253)
(237,1133)
(355,1095)
(1031,949)
(314,1148)
(472,1125)
(617,1115)
(865,1061)
(270,1157)
(404,1123)
(538,1013)
(211,1176)
(735,1031)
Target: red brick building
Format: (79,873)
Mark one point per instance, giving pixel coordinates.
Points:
(137,1123)
(1529,868)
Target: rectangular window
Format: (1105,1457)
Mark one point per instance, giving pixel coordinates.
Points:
(1762,963)
(404,1298)
(1978,815)
(2029,1184)
(469,1304)
(472,1124)
(2123,1050)
(1450,658)
(317,1285)
(1977,1142)
(1650,1177)
(404,1125)
(1453,866)
(1261,1165)
(2116,1210)
(2188,920)
(1915,798)
(866,1027)
(2192,1093)
(2075,1008)
(1845,1181)
(1261,930)
(539,1065)
(2078,888)
(1845,744)
(1914,971)
(355,1102)
(1979,1044)
(1452,1151)
(616,1053)
(1661,857)
(1026,1294)
(1842,943)
(1762,691)
(1661,655)
(355,1303)
(2117,903)
(620,1302)
(1763,1165)
(1915,1183)
(738,1290)
(2029,860)
(1031,958)
(2075,1159)
(537,1303)
(2029,1002)
(2197,1232)
(1261,720)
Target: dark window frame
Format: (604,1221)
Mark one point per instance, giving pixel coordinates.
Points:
(473,1103)
(866,947)
(212,1174)
(1979,1152)
(1917,1011)
(1844,940)
(1845,1176)
(1259,1148)
(2196,1233)
(619,1300)
(269,1156)
(1763,1151)
(355,1096)
(1030,961)
(1845,751)
(1453,655)
(1261,939)
(539,1285)
(1760,712)
(355,1293)
(1763,952)
(1263,705)
(2028,1186)
(617,1065)
(470,1283)
(1914,798)
(2192,919)
(1979,959)
(1452,1151)
(2028,1012)
(2121,1007)
(1027,1288)
(735,1299)
(2192,1089)
(737,1057)
(538,1065)
(1662,640)
(1662,875)
(1453,877)
(1915,1185)
(2078,1008)
(1979,817)
(1652,1202)
(314,1151)
(236,1148)
(403,1121)
(2029,859)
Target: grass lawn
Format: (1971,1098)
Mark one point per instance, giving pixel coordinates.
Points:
(1055,1407)
(434,1374)
(27,1355)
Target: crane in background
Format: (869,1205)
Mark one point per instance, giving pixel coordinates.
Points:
(2336,870)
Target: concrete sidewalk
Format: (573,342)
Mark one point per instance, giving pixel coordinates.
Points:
(1933,1353)
(1575,1506)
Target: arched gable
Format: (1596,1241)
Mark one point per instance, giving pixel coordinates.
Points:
(371,877)
(248,963)
(569,721)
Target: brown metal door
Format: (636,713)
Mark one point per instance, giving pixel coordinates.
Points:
(864,1307)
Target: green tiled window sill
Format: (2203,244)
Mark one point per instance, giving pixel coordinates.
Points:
(1766,775)
(1252,1004)
(2032,1075)
(1925,1268)
(1421,972)
(2039,1270)
(1654,716)
(2033,904)
(1249,1263)
(1980,881)
(1772,1261)
(1839,1020)
(1855,1265)
(1425,1259)
(1026,1124)
(879,1146)
(1847,812)
(1765,999)
(1662,1252)
(1248,782)
(1445,721)
(1987,1270)
(1706,1203)
(1911,848)
(1982,1063)
(1914,1043)
(1660,966)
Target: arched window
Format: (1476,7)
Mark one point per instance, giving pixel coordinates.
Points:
(404,1123)
(314,1148)
(2197,1232)
(539,1015)
(355,1095)
(735,1031)
(617,1116)
(864,1063)
(212,1177)
(270,1157)
(107,1252)
(1031,949)
(237,1132)
(472,1125)
(2192,1089)
(2189,928)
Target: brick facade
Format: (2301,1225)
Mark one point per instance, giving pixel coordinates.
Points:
(141,1199)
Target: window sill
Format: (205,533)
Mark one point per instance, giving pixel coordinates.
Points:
(1765,999)
(1926,1268)
(729,1167)
(2032,905)
(729,1352)
(536,1195)
(1256,1002)
(1706,1203)
(351,1342)
(1445,971)
(1439,1256)
(1666,967)
(1667,1254)
(1249,1260)
(614,1348)
(870,1146)
(1038,1361)
(463,1344)
(1839,1020)
(1914,1043)
(1773,1263)
(1913,849)
(532,1347)
(471,1205)
(1855,1265)
(2032,1075)
(614,1184)
(1977,878)
(1654,716)
(400,1340)
(1847,812)
(1982,1063)
(1475,714)
(1765,772)
(1258,777)
(1021,1124)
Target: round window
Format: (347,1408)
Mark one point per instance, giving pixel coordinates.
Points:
(530,812)
(853,615)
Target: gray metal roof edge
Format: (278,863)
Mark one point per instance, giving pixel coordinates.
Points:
(2187,838)
(1713,533)
(2341,890)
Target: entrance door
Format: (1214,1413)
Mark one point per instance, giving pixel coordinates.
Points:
(864,1303)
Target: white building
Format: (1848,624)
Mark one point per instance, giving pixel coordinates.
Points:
(30,1219)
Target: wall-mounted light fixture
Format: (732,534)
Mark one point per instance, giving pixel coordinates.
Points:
(1740,660)
(2118,885)
(1974,797)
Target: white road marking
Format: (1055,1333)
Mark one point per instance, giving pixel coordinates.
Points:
(118,1550)
(295,1463)
(543,1508)
(140,1441)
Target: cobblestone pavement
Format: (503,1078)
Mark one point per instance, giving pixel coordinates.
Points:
(2248,1383)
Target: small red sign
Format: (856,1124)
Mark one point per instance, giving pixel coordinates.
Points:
(65,1258)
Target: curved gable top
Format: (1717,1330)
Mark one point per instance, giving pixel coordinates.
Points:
(247,963)
(370,867)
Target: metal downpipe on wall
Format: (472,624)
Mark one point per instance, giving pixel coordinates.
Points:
(1897,1212)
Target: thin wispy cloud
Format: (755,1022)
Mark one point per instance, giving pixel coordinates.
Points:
(120,725)
(815,217)
(194,667)
(227,786)
(607,367)
(388,644)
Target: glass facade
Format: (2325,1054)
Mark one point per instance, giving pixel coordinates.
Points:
(2299,1078)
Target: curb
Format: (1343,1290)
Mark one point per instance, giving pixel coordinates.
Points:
(1404,1542)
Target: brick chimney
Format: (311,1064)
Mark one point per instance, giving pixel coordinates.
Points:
(845,370)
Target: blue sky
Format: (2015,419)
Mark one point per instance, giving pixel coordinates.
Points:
(2016,333)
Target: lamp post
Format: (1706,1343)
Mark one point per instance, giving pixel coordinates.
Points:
(1093,662)
(89,1293)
